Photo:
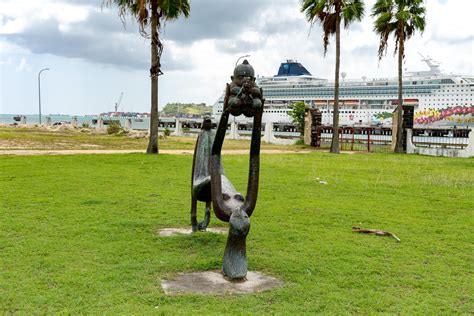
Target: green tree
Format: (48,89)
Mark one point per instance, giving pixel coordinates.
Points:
(152,13)
(329,14)
(400,18)
(297,114)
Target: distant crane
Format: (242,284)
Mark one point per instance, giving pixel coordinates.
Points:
(118,102)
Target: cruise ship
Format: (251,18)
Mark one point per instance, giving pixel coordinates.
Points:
(439,99)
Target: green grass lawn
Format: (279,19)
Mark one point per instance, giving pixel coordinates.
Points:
(78,235)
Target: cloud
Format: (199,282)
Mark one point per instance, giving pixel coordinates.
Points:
(86,30)
(200,52)
(469,39)
(23,65)
(75,41)
(211,19)
(97,37)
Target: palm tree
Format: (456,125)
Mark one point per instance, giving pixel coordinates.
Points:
(153,13)
(329,14)
(400,18)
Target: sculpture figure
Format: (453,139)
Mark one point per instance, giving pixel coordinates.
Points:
(201,177)
(209,182)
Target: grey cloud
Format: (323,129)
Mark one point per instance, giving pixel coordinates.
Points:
(82,41)
(356,27)
(4,19)
(95,3)
(365,50)
(211,19)
(453,40)
(283,25)
(237,46)
(101,38)
(171,63)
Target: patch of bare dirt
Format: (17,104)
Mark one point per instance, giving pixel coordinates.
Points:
(23,152)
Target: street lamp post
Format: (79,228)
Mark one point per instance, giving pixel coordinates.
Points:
(244,56)
(39,92)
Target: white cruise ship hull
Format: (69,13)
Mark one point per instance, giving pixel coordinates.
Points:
(439,99)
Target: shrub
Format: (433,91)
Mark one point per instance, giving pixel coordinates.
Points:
(299,142)
(166,131)
(85,125)
(114,128)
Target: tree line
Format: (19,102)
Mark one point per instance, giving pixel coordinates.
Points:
(397,18)
(178,109)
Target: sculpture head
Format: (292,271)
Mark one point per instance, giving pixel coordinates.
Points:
(206,122)
(239,223)
(245,97)
(234,265)
(243,73)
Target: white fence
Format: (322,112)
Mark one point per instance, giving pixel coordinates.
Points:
(444,149)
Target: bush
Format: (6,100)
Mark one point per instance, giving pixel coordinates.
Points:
(114,128)
(166,132)
(85,125)
(299,142)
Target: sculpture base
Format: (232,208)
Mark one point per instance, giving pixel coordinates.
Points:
(166,232)
(214,283)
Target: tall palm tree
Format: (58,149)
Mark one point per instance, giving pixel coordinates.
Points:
(153,13)
(329,13)
(400,18)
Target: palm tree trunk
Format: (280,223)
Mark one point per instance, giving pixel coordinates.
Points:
(399,138)
(335,116)
(154,72)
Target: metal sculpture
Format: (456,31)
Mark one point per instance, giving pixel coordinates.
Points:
(209,183)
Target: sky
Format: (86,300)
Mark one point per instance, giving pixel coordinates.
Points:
(93,57)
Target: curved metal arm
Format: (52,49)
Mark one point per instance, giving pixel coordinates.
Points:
(254,165)
(223,211)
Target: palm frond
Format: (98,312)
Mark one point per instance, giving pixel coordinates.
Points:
(140,10)
(172,9)
(382,6)
(352,11)
(402,18)
(329,27)
(315,10)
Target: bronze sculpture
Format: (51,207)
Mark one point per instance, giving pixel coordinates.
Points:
(209,183)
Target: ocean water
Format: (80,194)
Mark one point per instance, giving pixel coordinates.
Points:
(34,119)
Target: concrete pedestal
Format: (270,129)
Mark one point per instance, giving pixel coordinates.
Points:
(128,124)
(213,283)
(178,131)
(233,131)
(166,232)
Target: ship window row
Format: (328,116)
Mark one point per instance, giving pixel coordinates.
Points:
(372,90)
(357,89)
(351,112)
(330,93)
